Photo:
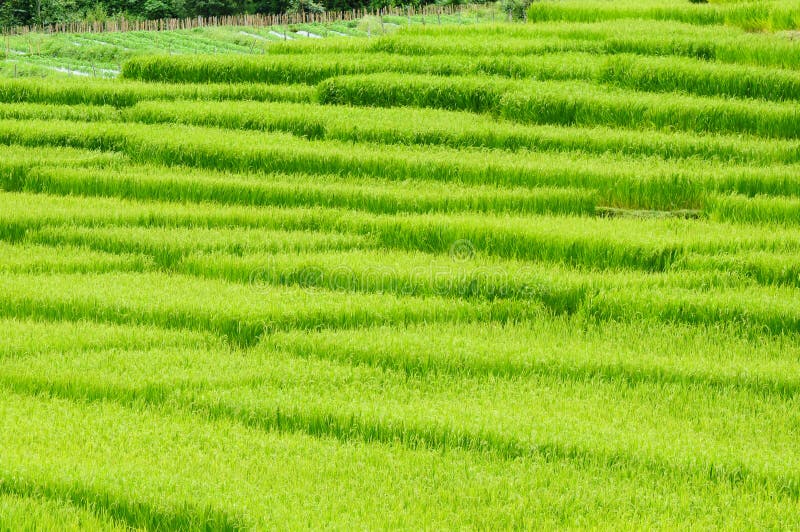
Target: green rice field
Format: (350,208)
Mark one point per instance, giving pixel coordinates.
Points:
(415,274)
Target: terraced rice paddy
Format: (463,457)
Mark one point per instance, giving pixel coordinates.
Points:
(529,275)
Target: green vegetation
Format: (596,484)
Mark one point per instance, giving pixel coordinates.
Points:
(69,92)
(427,276)
(652,74)
(750,15)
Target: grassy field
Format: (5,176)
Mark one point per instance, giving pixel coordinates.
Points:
(474,274)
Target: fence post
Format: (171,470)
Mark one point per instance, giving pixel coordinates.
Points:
(258,20)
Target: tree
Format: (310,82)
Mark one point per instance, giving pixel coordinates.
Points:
(52,11)
(305,6)
(516,8)
(213,8)
(154,9)
(14,13)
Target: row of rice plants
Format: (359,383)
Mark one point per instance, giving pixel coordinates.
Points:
(643,37)
(528,415)
(632,352)
(301,69)
(35,512)
(22,213)
(15,159)
(436,234)
(415,126)
(620,181)
(167,246)
(250,255)
(651,244)
(487,277)
(439,127)
(43,111)
(770,15)
(233,311)
(418,126)
(596,243)
(691,13)
(666,74)
(565,103)
(30,337)
(117,94)
(649,74)
(705,298)
(67,259)
(168,464)
(297,190)
(759,209)
(762,266)
(663,246)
